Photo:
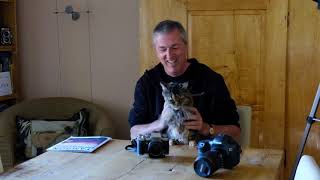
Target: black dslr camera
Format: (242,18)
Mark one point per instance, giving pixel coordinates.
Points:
(220,152)
(155,144)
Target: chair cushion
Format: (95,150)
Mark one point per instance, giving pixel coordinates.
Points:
(36,135)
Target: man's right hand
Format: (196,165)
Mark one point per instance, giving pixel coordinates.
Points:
(155,126)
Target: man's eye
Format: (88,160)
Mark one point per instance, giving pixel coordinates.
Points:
(175,46)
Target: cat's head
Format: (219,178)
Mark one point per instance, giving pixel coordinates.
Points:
(176,95)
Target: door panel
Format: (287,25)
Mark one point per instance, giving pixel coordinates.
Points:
(226,4)
(38,48)
(245,41)
(212,42)
(230,43)
(250,30)
(212,33)
(74,47)
(250,50)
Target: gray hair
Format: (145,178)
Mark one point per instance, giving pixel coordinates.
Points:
(167,26)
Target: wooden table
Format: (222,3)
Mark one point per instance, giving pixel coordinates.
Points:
(112,161)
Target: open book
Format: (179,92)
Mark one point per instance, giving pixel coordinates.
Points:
(83,144)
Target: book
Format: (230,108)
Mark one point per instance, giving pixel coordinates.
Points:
(5,84)
(82,144)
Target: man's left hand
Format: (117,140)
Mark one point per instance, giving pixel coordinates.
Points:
(195,122)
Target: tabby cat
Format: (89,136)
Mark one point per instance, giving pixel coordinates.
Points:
(177,97)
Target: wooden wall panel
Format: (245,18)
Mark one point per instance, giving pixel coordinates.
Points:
(151,13)
(303,78)
(275,70)
(233,44)
(226,4)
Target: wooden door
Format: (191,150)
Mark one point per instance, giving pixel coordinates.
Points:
(245,41)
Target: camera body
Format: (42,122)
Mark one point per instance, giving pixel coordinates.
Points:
(219,152)
(155,144)
(5,36)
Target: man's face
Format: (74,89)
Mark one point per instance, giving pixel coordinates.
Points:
(172,52)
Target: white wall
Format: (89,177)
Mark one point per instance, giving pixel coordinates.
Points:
(54,53)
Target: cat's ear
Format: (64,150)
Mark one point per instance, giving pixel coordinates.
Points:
(185,85)
(163,85)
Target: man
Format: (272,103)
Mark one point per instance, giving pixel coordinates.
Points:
(213,112)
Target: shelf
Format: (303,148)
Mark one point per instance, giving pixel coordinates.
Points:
(8,97)
(6,1)
(9,52)
(6,48)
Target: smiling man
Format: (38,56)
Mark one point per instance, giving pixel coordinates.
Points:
(213,112)
(171,50)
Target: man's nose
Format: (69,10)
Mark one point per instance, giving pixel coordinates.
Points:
(169,53)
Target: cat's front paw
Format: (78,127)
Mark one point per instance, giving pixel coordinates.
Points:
(176,142)
(192,143)
(171,143)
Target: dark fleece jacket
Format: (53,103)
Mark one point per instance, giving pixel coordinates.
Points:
(215,105)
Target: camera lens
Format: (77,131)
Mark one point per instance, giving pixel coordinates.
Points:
(6,33)
(6,40)
(155,149)
(203,167)
(207,164)
(141,145)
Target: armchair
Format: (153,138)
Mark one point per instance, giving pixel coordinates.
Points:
(53,108)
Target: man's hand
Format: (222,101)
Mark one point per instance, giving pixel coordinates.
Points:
(196,122)
(155,126)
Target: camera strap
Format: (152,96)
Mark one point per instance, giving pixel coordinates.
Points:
(132,147)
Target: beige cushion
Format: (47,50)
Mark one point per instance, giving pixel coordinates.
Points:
(49,108)
(39,134)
